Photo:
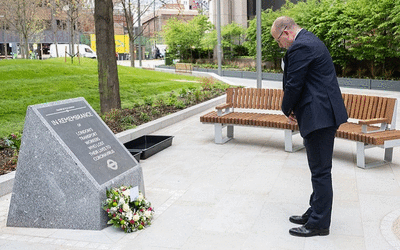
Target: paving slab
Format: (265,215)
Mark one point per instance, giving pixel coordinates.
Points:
(239,195)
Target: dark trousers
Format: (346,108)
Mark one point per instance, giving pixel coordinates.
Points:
(319,147)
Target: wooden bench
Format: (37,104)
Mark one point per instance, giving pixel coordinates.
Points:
(251,99)
(183,68)
(364,111)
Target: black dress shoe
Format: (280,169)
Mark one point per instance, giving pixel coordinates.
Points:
(304,232)
(297,219)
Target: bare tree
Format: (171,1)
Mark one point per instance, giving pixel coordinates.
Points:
(54,12)
(25,17)
(129,10)
(72,9)
(107,63)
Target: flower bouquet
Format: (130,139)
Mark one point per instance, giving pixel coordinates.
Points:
(126,214)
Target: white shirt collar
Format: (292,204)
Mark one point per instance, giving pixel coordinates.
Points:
(297,34)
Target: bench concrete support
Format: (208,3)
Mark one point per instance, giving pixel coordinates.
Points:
(388,146)
(360,155)
(219,138)
(289,141)
(388,154)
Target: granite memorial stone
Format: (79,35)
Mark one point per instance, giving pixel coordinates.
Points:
(68,158)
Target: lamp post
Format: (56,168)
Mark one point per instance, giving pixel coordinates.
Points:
(219,47)
(140,35)
(259,55)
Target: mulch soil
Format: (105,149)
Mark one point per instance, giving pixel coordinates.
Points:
(8,161)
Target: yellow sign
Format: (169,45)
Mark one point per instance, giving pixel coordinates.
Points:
(121,43)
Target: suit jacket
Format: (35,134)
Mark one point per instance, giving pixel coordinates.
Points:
(311,89)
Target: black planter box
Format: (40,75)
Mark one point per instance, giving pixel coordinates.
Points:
(148,145)
(135,153)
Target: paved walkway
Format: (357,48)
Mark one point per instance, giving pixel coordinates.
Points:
(240,195)
(145,63)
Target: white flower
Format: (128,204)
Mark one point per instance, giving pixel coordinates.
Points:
(121,201)
(126,193)
(129,215)
(135,217)
(140,197)
(113,209)
(125,207)
(147,214)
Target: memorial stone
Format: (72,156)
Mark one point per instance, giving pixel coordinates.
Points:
(68,158)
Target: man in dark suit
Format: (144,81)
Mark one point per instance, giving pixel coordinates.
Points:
(312,98)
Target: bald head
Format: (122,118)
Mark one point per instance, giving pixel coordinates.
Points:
(283,21)
(284,30)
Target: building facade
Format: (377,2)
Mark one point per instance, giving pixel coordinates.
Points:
(241,11)
(153,23)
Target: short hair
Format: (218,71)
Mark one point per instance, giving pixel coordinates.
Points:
(285,21)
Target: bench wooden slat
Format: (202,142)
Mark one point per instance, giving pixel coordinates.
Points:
(255,100)
(370,107)
(274,97)
(365,108)
(351,105)
(245,97)
(238,96)
(379,108)
(251,99)
(358,104)
(273,93)
(345,100)
(390,109)
(249,96)
(229,95)
(362,105)
(374,108)
(356,99)
(384,106)
(261,98)
(267,104)
(241,97)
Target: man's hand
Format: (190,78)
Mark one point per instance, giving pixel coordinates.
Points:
(292,119)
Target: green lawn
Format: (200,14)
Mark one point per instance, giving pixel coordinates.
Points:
(29,82)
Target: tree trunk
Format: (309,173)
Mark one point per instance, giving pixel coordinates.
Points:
(107,63)
(132,51)
(71,27)
(26,45)
(21,48)
(54,26)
